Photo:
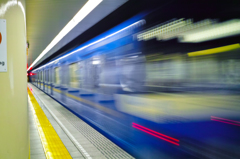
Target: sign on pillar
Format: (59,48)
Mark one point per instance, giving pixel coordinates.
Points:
(3,46)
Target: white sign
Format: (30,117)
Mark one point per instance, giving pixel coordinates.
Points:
(3,46)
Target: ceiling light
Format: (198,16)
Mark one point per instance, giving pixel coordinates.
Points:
(221,30)
(81,14)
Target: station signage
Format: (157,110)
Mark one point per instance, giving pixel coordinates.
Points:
(3,46)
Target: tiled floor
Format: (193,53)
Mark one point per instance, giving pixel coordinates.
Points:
(52,143)
(76,135)
(36,148)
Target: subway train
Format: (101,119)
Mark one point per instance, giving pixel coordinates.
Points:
(158,88)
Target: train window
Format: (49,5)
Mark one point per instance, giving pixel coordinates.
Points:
(42,75)
(74,75)
(46,75)
(64,79)
(49,76)
(56,75)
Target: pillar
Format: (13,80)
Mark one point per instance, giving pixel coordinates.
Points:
(14,134)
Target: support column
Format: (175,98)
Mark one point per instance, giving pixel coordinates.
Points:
(14,134)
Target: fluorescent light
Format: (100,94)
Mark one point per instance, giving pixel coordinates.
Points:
(81,14)
(225,29)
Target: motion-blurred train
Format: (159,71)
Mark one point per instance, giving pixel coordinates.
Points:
(157,88)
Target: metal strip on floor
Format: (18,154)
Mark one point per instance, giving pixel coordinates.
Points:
(52,144)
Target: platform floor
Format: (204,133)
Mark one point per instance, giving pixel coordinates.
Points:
(80,139)
(36,148)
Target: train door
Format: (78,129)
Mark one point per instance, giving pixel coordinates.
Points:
(64,81)
(90,74)
(96,68)
(87,76)
(57,79)
(108,75)
(37,76)
(40,80)
(34,76)
(81,75)
(46,81)
(74,76)
(50,80)
(43,79)
(132,73)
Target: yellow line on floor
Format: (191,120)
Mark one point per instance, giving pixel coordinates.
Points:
(52,144)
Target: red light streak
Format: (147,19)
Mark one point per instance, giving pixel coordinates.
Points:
(156,134)
(225,119)
(225,122)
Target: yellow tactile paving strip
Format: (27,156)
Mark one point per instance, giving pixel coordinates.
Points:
(52,144)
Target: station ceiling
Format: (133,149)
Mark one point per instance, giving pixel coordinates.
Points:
(46,18)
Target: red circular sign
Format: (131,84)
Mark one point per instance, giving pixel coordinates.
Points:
(0,38)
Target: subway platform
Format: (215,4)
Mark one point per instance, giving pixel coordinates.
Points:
(55,132)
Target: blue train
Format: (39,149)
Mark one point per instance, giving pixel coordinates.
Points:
(155,89)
